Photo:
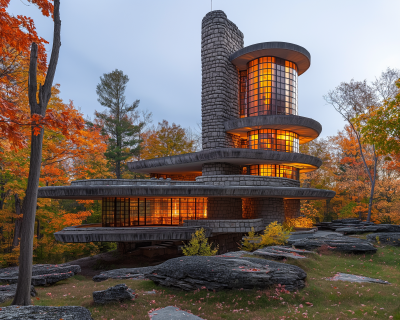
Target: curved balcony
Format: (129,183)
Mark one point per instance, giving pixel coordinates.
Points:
(307,129)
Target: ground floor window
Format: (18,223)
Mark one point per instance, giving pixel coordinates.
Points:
(130,212)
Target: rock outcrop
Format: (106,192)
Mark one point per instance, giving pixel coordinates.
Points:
(369,228)
(217,273)
(123,273)
(118,293)
(336,243)
(389,238)
(44,313)
(8,292)
(171,312)
(355,278)
(42,274)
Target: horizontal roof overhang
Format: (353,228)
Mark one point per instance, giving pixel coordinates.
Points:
(307,129)
(169,191)
(288,51)
(193,162)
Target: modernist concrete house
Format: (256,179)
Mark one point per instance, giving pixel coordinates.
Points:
(247,174)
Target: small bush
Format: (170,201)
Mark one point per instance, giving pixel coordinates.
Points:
(274,234)
(199,246)
(251,242)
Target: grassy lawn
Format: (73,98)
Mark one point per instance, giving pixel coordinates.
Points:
(320,299)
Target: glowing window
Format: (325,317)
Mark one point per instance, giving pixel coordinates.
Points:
(272,139)
(274,170)
(267,87)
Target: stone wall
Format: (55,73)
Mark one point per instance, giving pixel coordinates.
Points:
(176,177)
(224,208)
(220,79)
(267,209)
(292,208)
(220,168)
(247,180)
(231,226)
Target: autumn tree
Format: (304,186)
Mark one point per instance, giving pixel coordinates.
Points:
(117,122)
(166,140)
(38,111)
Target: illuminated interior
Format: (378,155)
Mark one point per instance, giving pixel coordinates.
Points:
(272,139)
(130,212)
(268,87)
(272,170)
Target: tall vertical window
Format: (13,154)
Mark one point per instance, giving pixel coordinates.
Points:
(268,87)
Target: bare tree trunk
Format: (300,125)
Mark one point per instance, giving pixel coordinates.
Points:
(18,222)
(371,197)
(22,296)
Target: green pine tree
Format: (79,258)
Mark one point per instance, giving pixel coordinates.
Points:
(117,121)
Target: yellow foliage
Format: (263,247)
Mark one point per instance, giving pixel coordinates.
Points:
(251,242)
(274,234)
(300,222)
(199,246)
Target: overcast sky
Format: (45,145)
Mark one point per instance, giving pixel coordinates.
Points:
(157,44)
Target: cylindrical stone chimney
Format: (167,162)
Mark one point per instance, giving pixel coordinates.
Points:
(220,79)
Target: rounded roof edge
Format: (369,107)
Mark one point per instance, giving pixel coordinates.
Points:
(284,50)
(307,128)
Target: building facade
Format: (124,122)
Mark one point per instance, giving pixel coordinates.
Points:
(247,174)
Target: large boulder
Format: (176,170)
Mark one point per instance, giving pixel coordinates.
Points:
(355,278)
(335,243)
(123,273)
(389,238)
(281,252)
(44,313)
(342,223)
(8,292)
(42,274)
(118,293)
(217,273)
(369,228)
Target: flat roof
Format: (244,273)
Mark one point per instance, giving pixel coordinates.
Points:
(288,51)
(193,162)
(95,192)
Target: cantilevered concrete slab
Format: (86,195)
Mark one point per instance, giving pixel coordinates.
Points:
(193,162)
(88,233)
(307,129)
(288,51)
(96,192)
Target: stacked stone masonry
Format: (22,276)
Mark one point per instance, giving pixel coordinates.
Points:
(292,208)
(221,226)
(224,208)
(247,180)
(267,209)
(220,79)
(176,177)
(220,168)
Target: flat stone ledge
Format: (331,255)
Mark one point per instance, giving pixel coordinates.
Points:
(307,129)
(193,162)
(227,226)
(99,192)
(247,180)
(80,234)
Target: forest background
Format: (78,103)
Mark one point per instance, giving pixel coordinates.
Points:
(78,148)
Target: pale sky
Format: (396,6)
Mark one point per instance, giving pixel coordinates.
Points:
(157,44)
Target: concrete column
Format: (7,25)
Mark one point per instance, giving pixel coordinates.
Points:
(268,209)
(220,79)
